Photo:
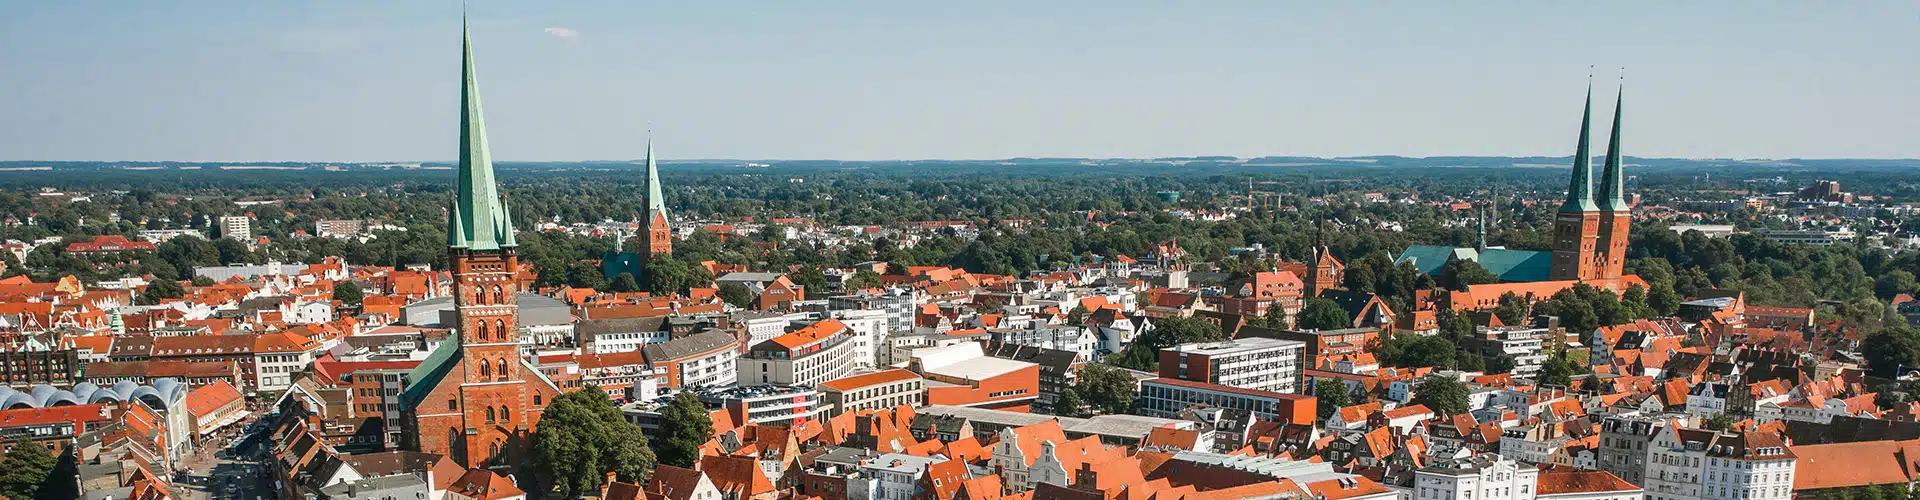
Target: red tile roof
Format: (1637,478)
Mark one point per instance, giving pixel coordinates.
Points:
(810,333)
(1570,481)
(203,400)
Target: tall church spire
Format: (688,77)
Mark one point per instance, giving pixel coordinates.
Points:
(1612,196)
(1481,245)
(1580,190)
(479,219)
(656,202)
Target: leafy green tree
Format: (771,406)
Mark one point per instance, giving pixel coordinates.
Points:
(162,291)
(583,275)
(1323,314)
(1719,422)
(582,436)
(1409,350)
(1332,395)
(1070,404)
(1471,362)
(349,293)
(1512,309)
(1458,274)
(863,279)
(202,281)
(1557,370)
(736,294)
(1890,349)
(25,470)
(1443,395)
(1077,316)
(624,283)
(688,425)
(671,276)
(1663,301)
(1500,364)
(1144,352)
(814,279)
(1106,389)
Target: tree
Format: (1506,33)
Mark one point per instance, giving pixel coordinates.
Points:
(582,436)
(1512,309)
(1409,350)
(1500,364)
(670,276)
(202,281)
(349,293)
(624,283)
(1663,301)
(863,279)
(1144,352)
(1323,314)
(736,294)
(162,291)
(1332,394)
(1443,395)
(1458,274)
(1891,349)
(1719,422)
(688,425)
(1556,371)
(1105,389)
(1471,362)
(583,275)
(1077,316)
(24,471)
(1894,283)
(1069,404)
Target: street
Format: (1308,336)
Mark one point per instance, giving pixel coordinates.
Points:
(217,471)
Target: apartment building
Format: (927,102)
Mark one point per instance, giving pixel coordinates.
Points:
(806,357)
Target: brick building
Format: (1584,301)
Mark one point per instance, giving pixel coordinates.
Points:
(475,399)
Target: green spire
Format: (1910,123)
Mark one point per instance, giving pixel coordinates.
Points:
(656,202)
(479,219)
(1482,244)
(1580,190)
(1612,187)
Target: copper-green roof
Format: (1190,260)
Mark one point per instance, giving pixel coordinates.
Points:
(1612,185)
(656,202)
(1508,265)
(479,219)
(1580,190)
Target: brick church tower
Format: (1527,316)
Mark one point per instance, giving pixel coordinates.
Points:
(474,398)
(658,227)
(1615,216)
(1590,233)
(1576,229)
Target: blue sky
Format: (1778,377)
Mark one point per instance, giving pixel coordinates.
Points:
(349,80)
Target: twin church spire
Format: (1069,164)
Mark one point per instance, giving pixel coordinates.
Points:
(1611,196)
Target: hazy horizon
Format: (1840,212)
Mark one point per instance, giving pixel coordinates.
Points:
(371,82)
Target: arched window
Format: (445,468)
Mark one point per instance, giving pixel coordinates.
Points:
(480,330)
(489,414)
(486,370)
(501,364)
(493,450)
(500,329)
(499,297)
(506,417)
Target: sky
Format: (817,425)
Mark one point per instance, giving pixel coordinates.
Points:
(377,80)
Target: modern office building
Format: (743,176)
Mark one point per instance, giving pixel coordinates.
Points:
(1261,364)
